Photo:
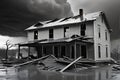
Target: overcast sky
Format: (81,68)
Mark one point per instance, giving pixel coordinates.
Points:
(16,15)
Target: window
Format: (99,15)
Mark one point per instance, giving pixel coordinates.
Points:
(99,51)
(83,28)
(66,31)
(106,51)
(35,34)
(50,33)
(106,34)
(99,34)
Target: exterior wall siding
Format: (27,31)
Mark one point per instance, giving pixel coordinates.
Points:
(43,34)
(102,42)
(58,33)
(30,35)
(89,29)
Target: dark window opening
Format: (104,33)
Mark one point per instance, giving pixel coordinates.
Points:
(66,30)
(83,33)
(83,51)
(83,28)
(72,52)
(99,34)
(50,33)
(35,34)
(44,51)
(99,51)
(106,51)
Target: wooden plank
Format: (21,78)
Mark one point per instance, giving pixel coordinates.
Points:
(71,64)
(31,61)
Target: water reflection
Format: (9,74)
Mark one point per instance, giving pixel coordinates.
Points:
(33,73)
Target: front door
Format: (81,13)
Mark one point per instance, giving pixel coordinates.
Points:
(83,51)
(63,51)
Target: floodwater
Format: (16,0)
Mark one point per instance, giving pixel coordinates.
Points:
(30,72)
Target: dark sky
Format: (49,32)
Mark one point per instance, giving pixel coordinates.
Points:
(16,15)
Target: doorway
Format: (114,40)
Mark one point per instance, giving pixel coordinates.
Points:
(56,51)
(63,51)
(83,51)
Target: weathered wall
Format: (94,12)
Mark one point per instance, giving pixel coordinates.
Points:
(102,42)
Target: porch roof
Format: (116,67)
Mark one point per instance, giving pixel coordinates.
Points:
(62,40)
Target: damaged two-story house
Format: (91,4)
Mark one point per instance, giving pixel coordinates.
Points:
(85,35)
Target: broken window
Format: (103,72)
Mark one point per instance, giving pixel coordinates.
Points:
(35,34)
(99,51)
(83,28)
(50,33)
(66,31)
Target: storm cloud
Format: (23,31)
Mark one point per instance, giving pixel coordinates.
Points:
(16,15)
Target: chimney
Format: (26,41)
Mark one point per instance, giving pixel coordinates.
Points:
(81,14)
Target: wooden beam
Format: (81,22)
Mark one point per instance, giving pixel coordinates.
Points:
(28,62)
(70,64)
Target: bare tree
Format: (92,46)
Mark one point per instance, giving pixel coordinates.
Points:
(8,46)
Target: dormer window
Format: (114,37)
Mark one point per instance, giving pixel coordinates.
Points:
(35,34)
(51,33)
(83,28)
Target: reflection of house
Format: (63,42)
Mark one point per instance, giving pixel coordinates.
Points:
(82,35)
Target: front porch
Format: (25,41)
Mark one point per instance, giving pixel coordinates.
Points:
(66,47)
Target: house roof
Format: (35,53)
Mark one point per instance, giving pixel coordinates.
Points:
(68,20)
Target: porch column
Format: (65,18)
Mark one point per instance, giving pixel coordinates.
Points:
(18,51)
(75,50)
(28,51)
